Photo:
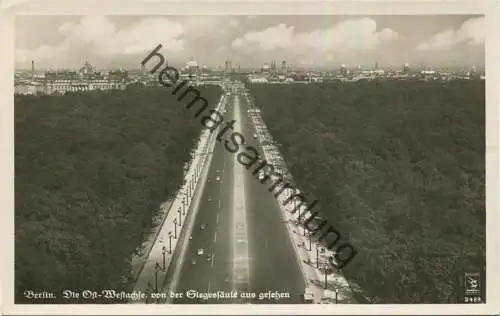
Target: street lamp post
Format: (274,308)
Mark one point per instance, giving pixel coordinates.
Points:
(146,291)
(180,214)
(184,205)
(163,252)
(295,206)
(326,277)
(170,242)
(310,241)
(317,255)
(331,259)
(156,277)
(175,228)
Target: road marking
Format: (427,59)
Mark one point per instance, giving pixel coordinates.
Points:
(219,204)
(215,237)
(218,218)
(242,258)
(241,268)
(213,258)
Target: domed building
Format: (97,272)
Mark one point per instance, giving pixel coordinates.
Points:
(87,69)
(343,69)
(89,72)
(406,68)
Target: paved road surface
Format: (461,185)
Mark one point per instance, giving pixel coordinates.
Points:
(271,262)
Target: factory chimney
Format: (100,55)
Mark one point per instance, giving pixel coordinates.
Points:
(32,70)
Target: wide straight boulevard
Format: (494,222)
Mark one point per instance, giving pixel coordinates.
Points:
(238,241)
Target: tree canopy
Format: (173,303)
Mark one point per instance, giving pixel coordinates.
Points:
(91,170)
(399,169)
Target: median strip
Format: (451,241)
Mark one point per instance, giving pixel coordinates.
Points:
(241,268)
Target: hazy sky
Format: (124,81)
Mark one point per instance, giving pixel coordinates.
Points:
(328,41)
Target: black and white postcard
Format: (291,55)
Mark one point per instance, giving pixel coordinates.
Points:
(250,157)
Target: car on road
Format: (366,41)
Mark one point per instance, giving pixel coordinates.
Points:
(254,135)
(199,252)
(217,178)
(203,226)
(261,175)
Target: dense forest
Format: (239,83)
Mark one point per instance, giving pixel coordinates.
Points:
(91,170)
(399,169)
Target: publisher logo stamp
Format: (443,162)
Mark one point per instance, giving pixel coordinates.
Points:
(472,282)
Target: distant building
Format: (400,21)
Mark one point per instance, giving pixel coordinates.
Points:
(228,66)
(60,75)
(205,69)
(473,73)
(343,70)
(273,66)
(85,79)
(265,68)
(87,69)
(283,67)
(32,70)
(25,89)
(427,71)
(257,79)
(406,68)
(118,75)
(192,67)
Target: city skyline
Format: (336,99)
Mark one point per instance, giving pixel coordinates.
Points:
(251,41)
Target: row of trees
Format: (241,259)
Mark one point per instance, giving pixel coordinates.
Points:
(91,171)
(399,169)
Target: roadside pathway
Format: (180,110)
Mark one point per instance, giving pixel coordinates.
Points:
(156,266)
(338,290)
